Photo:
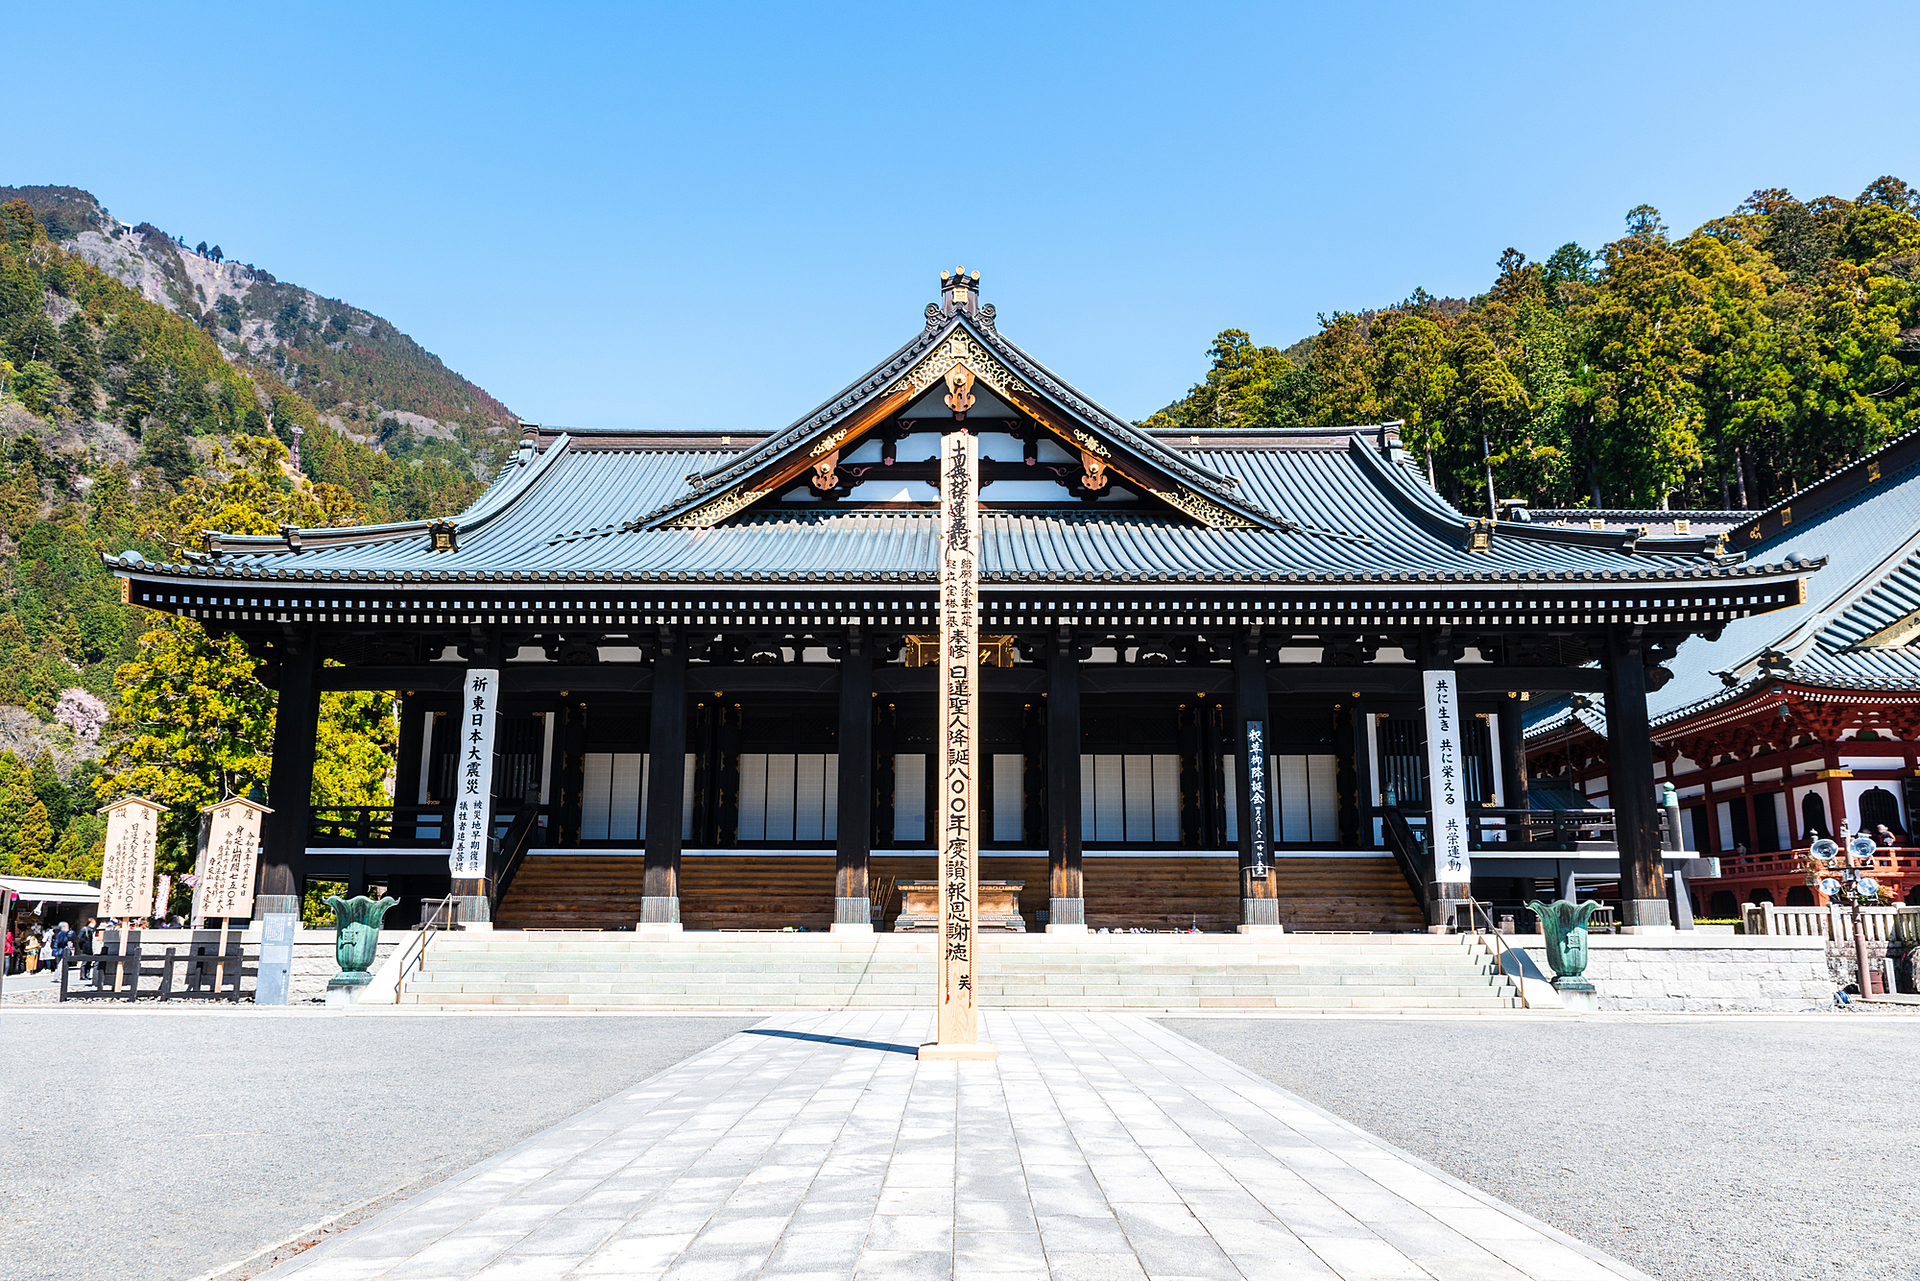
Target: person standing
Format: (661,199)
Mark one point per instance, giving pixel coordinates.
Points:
(83,944)
(33,952)
(6,960)
(62,945)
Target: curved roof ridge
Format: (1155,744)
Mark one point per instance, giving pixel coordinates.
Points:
(515,481)
(1081,403)
(880,376)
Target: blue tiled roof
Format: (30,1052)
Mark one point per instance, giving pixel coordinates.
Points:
(1870,543)
(569,509)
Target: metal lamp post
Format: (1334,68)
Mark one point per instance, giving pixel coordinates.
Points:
(1836,873)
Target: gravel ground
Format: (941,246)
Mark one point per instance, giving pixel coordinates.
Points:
(164,1144)
(1710,1149)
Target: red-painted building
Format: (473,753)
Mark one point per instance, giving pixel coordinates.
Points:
(1790,725)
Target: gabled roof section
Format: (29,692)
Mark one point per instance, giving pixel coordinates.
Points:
(517,477)
(960,332)
(1855,628)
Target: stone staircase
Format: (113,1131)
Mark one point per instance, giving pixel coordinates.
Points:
(1162,972)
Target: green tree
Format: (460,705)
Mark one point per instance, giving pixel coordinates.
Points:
(37,385)
(34,842)
(16,806)
(81,849)
(1639,332)
(51,792)
(193,726)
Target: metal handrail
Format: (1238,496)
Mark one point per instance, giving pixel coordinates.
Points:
(512,849)
(1407,850)
(427,927)
(1501,946)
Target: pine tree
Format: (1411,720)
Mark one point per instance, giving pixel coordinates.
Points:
(34,843)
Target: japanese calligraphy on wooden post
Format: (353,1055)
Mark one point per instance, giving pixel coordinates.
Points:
(1257,832)
(473,785)
(956,949)
(126,874)
(1447,829)
(233,852)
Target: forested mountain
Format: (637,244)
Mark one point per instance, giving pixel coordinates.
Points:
(1725,368)
(148,391)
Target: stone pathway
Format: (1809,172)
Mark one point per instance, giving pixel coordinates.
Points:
(816,1146)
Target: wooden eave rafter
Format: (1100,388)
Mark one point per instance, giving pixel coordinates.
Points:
(960,348)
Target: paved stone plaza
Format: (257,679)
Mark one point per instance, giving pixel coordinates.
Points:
(816,1146)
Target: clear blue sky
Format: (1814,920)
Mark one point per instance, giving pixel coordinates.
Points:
(710,216)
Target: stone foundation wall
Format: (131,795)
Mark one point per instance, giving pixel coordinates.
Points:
(1706,972)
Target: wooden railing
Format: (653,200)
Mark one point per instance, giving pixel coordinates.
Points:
(1834,922)
(372,825)
(1494,828)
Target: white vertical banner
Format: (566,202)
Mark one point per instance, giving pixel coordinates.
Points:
(126,874)
(1446,778)
(957,789)
(473,781)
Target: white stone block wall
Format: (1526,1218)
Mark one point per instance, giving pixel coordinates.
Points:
(1707,973)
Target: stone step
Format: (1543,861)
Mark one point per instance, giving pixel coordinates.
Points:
(614,1001)
(1170,972)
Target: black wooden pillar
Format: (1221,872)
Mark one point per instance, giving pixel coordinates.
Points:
(853,842)
(413,725)
(1366,790)
(1066,903)
(666,771)
(1643,888)
(1258,906)
(567,794)
(1513,760)
(296,725)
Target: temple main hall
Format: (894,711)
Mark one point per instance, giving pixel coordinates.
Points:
(1232,680)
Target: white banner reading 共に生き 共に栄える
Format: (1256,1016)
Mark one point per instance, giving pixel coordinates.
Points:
(473,780)
(1446,778)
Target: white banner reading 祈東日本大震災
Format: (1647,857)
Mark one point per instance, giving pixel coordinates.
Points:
(1446,779)
(473,779)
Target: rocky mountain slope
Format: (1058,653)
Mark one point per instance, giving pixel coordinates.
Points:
(364,378)
(137,377)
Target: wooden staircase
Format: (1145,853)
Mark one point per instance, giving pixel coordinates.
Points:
(1345,894)
(603,891)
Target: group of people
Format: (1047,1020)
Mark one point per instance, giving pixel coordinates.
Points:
(33,947)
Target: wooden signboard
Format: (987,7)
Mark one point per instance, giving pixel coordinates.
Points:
(233,855)
(126,876)
(955,812)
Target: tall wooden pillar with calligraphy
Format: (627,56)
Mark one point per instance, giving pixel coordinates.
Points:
(957,846)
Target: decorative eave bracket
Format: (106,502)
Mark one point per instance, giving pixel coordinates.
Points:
(963,351)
